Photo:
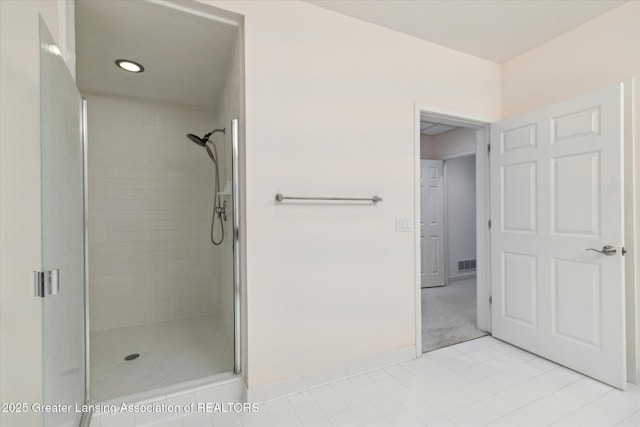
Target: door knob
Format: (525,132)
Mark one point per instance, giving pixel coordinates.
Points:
(608,250)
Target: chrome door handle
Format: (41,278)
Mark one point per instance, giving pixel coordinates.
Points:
(607,250)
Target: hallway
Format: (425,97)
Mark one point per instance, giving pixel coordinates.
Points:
(449,314)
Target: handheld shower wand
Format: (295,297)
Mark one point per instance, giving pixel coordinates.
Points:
(219,209)
(203,141)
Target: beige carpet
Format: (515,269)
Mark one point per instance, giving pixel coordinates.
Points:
(449,315)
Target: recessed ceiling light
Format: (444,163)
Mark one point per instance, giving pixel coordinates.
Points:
(128,65)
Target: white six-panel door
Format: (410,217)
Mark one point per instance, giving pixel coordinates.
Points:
(431,223)
(557,190)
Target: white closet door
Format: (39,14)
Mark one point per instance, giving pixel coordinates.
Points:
(431,223)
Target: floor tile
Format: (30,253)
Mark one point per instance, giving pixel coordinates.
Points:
(476,414)
(388,405)
(432,391)
(309,412)
(372,391)
(378,374)
(624,402)
(452,401)
(498,404)
(323,422)
(327,399)
(549,409)
(425,412)
(344,418)
(366,412)
(633,420)
(228,419)
(404,419)
(593,415)
(517,419)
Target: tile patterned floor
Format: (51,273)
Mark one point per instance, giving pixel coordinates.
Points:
(170,352)
(479,382)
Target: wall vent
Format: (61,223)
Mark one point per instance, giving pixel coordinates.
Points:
(467,265)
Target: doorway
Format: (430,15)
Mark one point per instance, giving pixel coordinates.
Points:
(556,171)
(448,220)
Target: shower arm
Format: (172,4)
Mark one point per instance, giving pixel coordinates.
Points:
(207,135)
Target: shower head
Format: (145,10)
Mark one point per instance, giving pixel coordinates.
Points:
(195,138)
(203,141)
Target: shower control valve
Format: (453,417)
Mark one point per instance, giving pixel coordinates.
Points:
(222,211)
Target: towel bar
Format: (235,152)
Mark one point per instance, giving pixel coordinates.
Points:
(374,199)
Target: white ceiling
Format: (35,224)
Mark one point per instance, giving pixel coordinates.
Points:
(496,30)
(433,128)
(185,56)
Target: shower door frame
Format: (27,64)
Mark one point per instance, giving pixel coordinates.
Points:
(237,272)
(85,190)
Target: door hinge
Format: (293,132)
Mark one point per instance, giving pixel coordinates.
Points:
(490,299)
(489,223)
(624,251)
(46,283)
(489,148)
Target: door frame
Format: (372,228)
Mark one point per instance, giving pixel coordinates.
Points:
(631,194)
(631,156)
(483,271)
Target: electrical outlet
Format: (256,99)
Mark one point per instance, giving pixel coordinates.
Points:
(403,224)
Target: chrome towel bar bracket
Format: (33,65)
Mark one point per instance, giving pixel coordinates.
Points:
(374,199)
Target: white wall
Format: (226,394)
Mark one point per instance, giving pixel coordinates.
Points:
(460,193)
(600,52)
(330,111)
(150,204)
(603,51)
(20,312)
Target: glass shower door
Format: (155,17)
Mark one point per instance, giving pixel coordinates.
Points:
(63,313)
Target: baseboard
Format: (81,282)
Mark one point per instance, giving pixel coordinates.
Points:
(329,375)
(461,277)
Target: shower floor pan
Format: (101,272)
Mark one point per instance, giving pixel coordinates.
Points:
(170,353)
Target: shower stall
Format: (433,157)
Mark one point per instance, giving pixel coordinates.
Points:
(163,256)
(156,280)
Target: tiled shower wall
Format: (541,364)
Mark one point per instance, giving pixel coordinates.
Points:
(150,201)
